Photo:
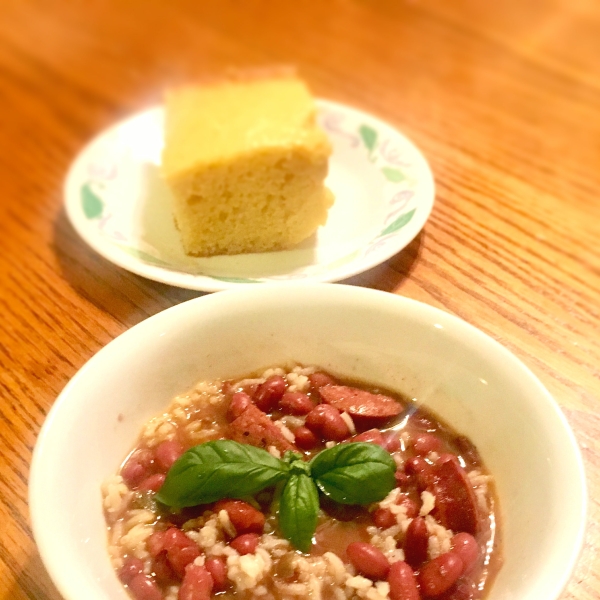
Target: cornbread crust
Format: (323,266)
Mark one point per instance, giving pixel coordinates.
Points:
(246,162)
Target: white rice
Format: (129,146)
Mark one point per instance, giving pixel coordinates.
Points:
(428,500)
(349,422)
(439,538)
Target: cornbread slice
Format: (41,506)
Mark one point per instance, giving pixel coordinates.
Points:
(246,162)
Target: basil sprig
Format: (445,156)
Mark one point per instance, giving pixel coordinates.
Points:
(299,510)
(358,473)
(220,469)
(355,473)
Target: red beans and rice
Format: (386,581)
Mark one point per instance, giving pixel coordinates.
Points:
(433,536)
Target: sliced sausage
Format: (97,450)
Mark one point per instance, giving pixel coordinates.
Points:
(255,428)
(455,501)
(360,403)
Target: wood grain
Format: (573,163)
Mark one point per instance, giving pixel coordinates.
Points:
(503,98)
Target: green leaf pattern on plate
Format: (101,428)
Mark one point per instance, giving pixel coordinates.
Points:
(393,175)
(92,206)
(141,255)
(373,141)
(400,222)
(369,137)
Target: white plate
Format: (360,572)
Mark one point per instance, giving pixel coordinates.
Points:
(119,205)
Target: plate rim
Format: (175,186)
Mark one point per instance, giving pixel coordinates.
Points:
(209,283)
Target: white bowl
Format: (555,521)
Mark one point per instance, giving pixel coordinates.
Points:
(462,374)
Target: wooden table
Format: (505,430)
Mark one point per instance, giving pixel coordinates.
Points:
(502,97)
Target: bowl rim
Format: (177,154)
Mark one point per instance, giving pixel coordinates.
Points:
(36,493)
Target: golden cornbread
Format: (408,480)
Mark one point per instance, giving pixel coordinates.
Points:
(246,162)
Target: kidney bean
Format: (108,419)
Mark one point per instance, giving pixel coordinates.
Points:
(167,453)
(384,518)
(143,588)
(390,441)
(424,443)
(439,574)
(153,483)
(131,567)
(368,560)
(197,584)
(133,473)
(402,479)
(180,558)
(315,419)
(305,438)
(415,542)
(245,543)
(181,550)
(372,436)
(156,543)
(296,403)
(137,468)
(162,570)
(421,470)
(318,380)
(270,393)
(175,538)
(243,516)
(403,583)
(466,546)
(334,427)
(411,507)
(218,570)
(240,401)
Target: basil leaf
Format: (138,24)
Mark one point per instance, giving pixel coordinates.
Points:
(356,473)
(220,469)
(299,511)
